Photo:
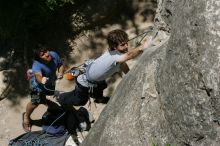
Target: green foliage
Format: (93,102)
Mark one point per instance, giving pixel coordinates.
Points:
(19,19)
(53,4)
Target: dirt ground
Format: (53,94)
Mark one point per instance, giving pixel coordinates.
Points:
(11,119)
(11,115)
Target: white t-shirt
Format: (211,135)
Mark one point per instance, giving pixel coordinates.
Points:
(102,68)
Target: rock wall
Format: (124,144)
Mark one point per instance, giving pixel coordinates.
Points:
(171,96)
(134,116)
(188,79)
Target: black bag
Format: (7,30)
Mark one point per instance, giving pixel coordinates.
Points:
(53,122)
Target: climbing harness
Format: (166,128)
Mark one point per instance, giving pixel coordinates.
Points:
(91,84)
(75,71)
(82,69)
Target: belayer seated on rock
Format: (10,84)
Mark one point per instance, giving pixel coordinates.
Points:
(92,82)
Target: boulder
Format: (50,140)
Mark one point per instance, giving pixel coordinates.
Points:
(171,95)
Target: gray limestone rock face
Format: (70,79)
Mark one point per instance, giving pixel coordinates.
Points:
(134,115)
(172,95)
(190,71)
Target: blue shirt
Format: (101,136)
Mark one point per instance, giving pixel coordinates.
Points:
(48,70)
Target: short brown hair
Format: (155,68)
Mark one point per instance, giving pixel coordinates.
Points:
(116,37)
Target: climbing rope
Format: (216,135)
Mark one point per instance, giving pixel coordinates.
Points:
(149,30)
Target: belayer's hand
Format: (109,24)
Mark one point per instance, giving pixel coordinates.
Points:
(44,80)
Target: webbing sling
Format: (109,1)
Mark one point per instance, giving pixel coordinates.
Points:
(91,84)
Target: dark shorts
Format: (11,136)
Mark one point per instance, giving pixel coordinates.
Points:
(80,95)
(77,97)
(39,96)
(98,91)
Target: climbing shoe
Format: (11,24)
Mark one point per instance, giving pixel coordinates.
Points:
(103,100)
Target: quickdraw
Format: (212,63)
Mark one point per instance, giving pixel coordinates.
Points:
(149,30)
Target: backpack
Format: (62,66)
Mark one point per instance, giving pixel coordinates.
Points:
(54,133)
(53,122)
